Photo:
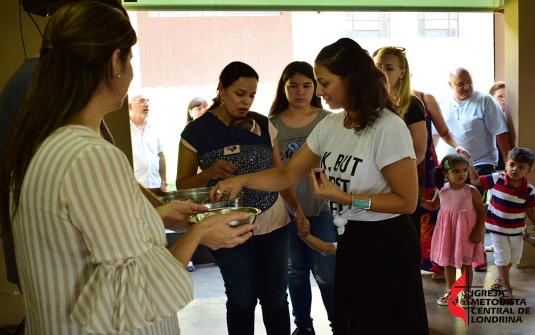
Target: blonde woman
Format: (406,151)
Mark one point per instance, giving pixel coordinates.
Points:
(393,62)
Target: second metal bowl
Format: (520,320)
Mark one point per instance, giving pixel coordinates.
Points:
(253,212)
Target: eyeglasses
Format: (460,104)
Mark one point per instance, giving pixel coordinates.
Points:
(142,101)
(501,96)
(402,49)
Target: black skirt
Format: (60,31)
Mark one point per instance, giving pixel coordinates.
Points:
(378,284)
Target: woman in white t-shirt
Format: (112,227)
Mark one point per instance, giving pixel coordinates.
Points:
(370,182)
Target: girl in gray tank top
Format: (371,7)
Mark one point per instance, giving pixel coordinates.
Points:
(296,110)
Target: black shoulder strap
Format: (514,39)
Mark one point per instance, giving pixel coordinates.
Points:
(423,101)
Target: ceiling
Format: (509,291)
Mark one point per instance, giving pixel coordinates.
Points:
(319,5)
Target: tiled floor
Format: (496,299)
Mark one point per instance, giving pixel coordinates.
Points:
(206,314)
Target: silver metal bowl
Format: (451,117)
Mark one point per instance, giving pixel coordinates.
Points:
(201,196)
(253,212)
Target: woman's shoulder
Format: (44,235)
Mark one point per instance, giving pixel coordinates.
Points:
(331,116)
(331,119)
(80,144)
(416,103)
(386,116)
(206,121)
(206,117)
(415,112)
(75,135)
(258,116)
(325,112)
(330,124)
(425,97)
(274,117)
(322,114)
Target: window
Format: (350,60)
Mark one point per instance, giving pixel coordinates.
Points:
(368,25)
(210,14)
(438,25)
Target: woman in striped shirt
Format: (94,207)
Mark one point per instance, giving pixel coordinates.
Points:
(91,250)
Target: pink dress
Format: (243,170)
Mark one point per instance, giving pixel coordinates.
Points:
(451,245)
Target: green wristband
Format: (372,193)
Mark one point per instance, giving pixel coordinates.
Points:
(364,204)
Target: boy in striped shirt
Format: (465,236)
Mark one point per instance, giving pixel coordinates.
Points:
(513,197)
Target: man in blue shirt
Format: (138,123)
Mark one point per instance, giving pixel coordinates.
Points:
(477,121)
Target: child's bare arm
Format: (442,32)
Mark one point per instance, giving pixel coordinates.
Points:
(475,236)
(317,244)
(474,177)
(530,213)
(431,205)
(303,227)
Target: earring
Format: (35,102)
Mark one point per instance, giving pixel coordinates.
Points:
(222,101)
(118,76)
(399,80)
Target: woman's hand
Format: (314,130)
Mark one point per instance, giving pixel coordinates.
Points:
(174,214)
(163,187)
(462,151)
(215,232)
(221,169)
(324,189)
(231,185)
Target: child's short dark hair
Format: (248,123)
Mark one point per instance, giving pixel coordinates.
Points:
(445,165)
(522,155)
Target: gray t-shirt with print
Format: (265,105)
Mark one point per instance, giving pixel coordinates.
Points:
(290,140)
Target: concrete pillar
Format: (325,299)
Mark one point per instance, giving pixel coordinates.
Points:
(499,47)
(520,79)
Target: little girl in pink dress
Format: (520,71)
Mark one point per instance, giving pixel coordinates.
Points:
(457,238)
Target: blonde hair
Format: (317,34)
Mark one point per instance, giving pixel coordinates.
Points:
(402,90)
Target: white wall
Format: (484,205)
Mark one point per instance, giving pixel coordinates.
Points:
(430,58)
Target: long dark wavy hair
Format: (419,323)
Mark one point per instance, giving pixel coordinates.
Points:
(439,173)
(280,103)
(229,75)
(368,86)
(75,58)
